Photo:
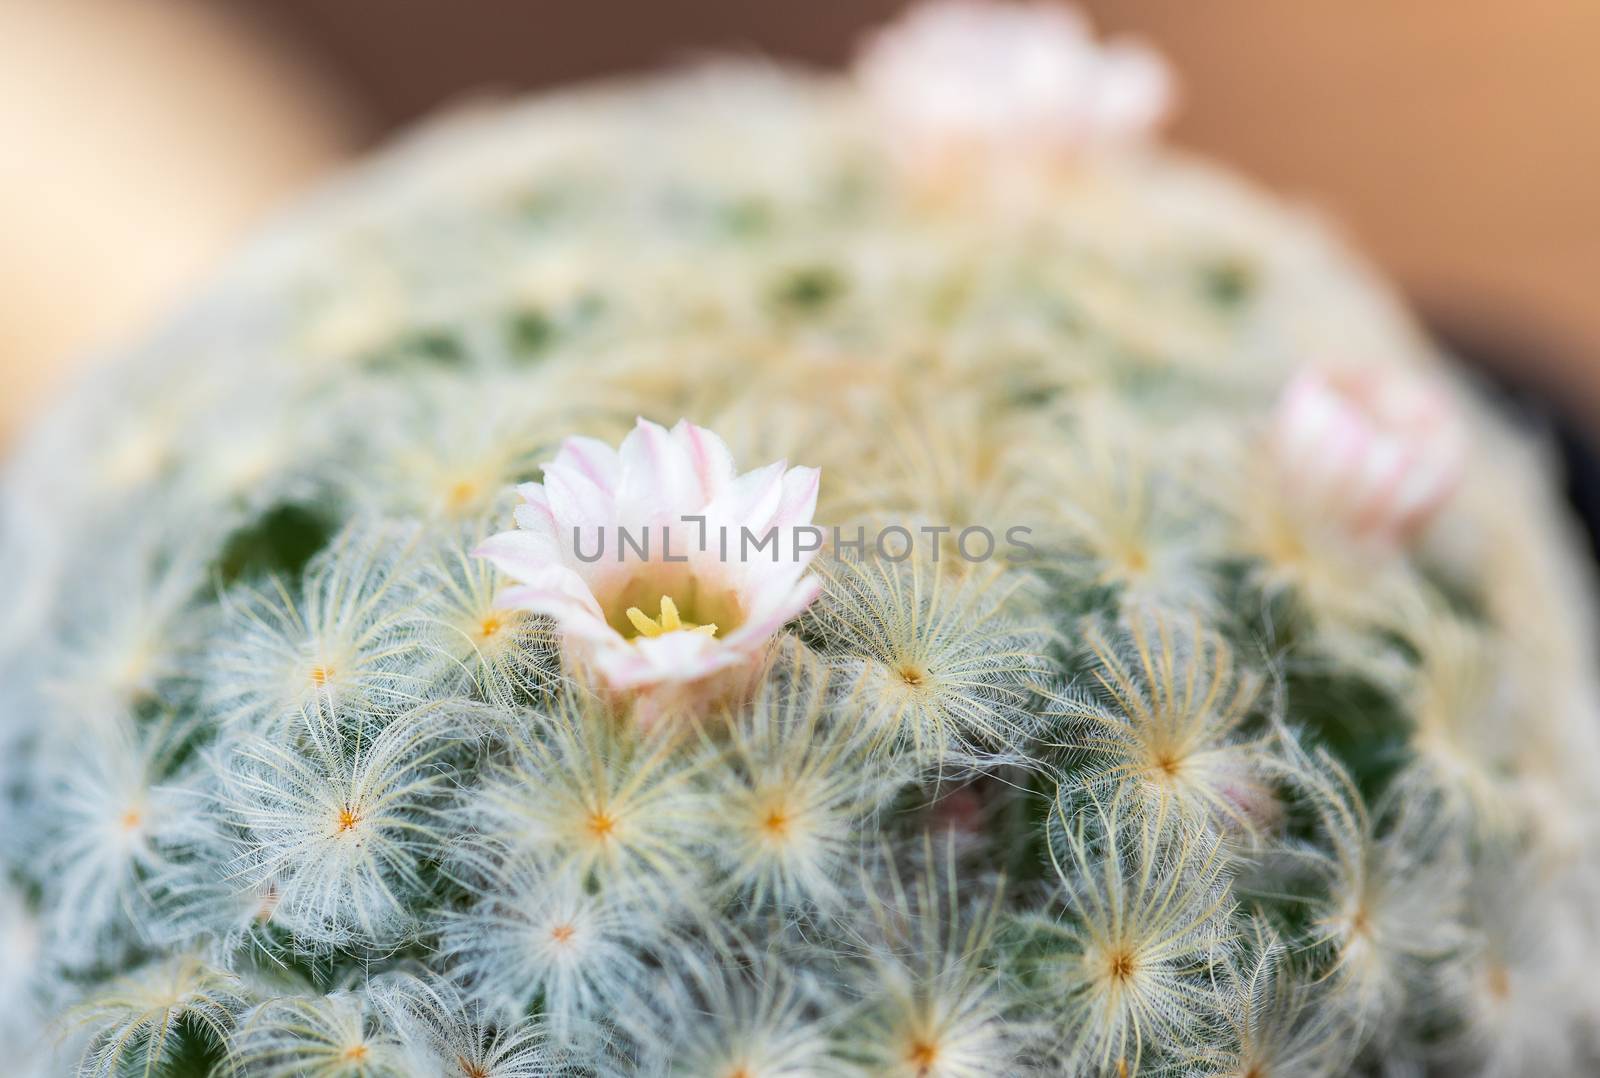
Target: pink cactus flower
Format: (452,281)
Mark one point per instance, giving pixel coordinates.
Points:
(665,571)
(1381,449)
(959,78)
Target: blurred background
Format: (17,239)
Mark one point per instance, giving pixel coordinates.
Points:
(1456,140)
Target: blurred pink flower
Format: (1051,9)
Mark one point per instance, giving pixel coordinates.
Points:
(655,561)
(1381,448)
(957,78)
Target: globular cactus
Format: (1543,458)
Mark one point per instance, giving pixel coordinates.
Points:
(1145,656)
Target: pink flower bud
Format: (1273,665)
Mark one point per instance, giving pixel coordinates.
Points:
(1381,450)
(956,80)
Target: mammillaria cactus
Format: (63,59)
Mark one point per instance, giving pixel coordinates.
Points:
(694,578)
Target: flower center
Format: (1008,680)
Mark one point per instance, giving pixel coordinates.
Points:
(668,622)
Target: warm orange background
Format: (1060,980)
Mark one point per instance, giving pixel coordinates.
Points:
(137,141)
(1458,140)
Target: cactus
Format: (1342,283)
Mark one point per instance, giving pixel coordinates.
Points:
(1164,664)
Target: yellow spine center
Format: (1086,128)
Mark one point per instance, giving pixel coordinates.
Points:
(462,494)
(923,1056)
(602,825)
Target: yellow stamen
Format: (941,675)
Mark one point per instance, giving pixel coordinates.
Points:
(669,622)
(669,615)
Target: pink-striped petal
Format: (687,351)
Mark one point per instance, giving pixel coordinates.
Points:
(799,502)
(750,500)
(521,555)
(590,458)
(708,457)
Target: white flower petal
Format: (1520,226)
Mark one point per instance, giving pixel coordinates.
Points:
(659,482)
(577,502)
(573,608)
(767,617)
(670,657)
